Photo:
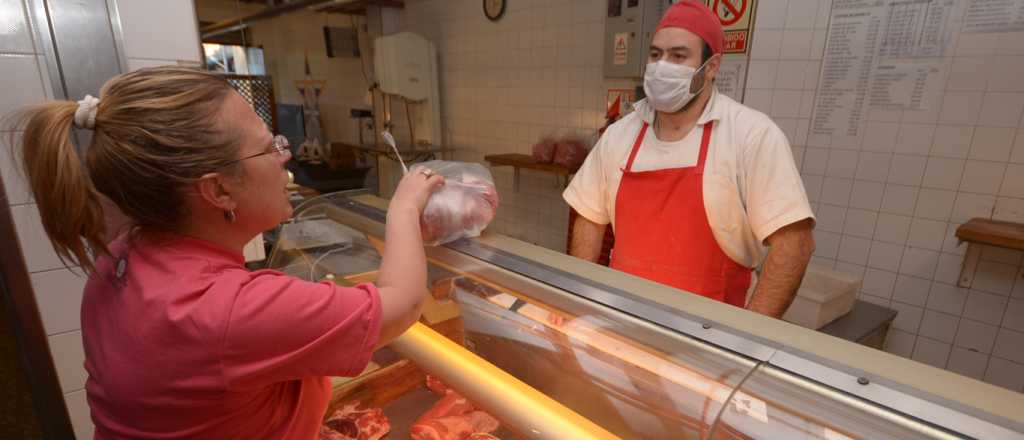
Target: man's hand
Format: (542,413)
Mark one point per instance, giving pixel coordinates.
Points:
(587,238)
(791,249)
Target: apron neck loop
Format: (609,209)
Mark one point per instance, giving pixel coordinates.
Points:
(636,147)
(705,140)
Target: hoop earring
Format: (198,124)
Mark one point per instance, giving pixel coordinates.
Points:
(230,216)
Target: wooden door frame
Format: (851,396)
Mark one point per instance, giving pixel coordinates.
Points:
(33,346)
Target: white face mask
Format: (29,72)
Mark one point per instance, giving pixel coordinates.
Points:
(667,85)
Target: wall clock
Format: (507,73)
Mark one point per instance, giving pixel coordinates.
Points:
(494,9)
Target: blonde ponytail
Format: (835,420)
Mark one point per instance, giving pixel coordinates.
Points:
(155,132)
(68,202)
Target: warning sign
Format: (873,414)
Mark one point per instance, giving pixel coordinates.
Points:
(621,48)
(730,11)
(618,102)
(737,17)
(736,42)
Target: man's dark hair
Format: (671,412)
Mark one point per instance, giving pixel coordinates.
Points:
(705,53)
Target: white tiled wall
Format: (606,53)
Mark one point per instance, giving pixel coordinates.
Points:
(890,201)
(504,85)
(156,32)
(160,30)
(79,409)
(159,33)
(59,294)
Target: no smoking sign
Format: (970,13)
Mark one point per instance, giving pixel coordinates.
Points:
(737,19)
(730,11)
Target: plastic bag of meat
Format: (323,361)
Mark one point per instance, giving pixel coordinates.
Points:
(544,149)
(463,207)
(570,152)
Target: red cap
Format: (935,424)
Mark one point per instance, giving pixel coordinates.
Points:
(695,17)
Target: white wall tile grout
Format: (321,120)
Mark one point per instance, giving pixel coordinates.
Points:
(64,332)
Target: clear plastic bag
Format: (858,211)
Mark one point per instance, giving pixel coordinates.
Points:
(544,149)
(570,152)
(463,207)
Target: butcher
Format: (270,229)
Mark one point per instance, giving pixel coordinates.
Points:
(694,184)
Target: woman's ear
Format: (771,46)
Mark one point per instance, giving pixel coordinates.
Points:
(214,189)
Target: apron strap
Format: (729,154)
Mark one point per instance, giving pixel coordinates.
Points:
(636,147)
(705,140)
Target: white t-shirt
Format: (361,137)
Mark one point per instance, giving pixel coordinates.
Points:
(751,184)
(656,154)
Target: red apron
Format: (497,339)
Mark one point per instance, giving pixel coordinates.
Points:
(662,231)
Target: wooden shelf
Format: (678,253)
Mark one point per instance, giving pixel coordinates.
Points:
(978,231)
(525,161)
(992,232)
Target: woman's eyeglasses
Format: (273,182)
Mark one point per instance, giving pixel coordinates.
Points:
(279,146)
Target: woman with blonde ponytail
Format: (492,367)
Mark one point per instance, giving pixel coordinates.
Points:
(181,341)
(66,197)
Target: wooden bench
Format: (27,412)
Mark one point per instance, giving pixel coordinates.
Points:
(989,232)
(525,161)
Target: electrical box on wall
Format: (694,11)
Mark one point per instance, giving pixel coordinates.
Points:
(341,42)
(628,27)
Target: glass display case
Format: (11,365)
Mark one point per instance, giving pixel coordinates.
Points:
(552,347)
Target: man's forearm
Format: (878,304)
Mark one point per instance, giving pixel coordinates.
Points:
(587,238)
(791,250)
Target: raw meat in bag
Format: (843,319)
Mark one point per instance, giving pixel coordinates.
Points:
(570,152)
(544,149)
(463,207)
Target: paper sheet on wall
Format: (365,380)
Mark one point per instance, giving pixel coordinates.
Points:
(732,76)
(850,51)
(916,29)
(903,86)
(865,62)
(985,16)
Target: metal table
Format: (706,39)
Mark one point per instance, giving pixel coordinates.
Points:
(866,324)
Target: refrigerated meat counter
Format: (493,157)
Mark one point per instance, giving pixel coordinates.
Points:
(552,347)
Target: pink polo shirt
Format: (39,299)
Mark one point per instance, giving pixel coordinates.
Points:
(182,341)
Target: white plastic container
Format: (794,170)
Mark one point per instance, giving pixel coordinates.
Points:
(824,296)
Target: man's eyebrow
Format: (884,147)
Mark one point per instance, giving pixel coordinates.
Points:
(672,49)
